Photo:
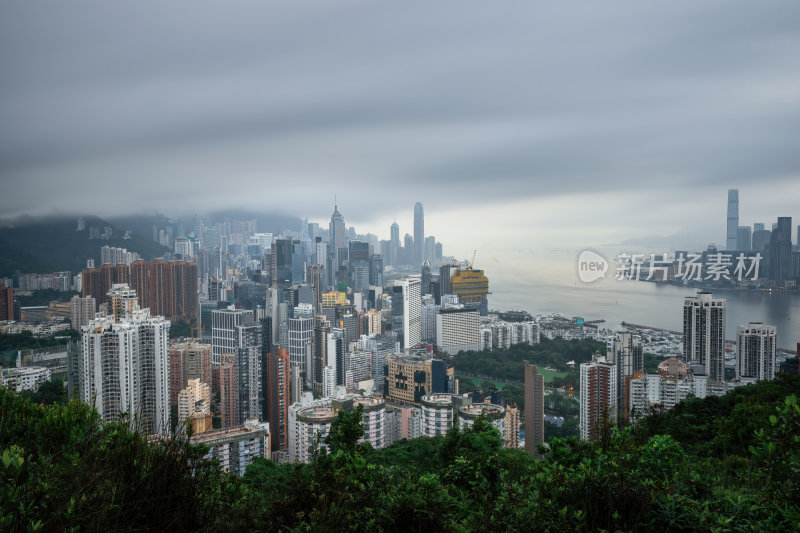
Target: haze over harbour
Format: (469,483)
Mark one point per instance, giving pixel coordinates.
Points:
(546,282)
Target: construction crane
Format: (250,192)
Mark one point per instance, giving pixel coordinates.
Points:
(473,259)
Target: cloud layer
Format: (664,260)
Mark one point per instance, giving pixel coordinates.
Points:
(184,106)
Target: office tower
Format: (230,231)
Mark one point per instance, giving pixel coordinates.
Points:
(336,240)
(758,226)
(425,280)
(83,310)
(124,368)
(429,252)
(625,351)
(248,368)
(780,251)
(408,250)
(445,279)
(407,312)
(335,352)
(394,239)
(278,395)
(223,331)
(598,391)
(314,276)
(319,349)
(228,390)
(534,410)
(457,328)
(761,238)
(301,336)
(472,288)
(408,378)
(744,239)
(299,263)
(358,265)
(733,219)
(282,261)
(438,251)
(755,351)
(7,303)
(376,270)
(704,333)
(194,406)
(419,234)
(428,314)
(188,361)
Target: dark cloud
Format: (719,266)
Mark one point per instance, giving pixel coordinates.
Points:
(191,105)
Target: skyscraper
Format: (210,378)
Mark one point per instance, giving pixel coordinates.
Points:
(278,398)
(744,239)
(248,368)
(124,368)
(755,351)
(598,388)
(780,251)
(625,351)
(733,219)
(358,265)
(228,390)
(704,333)
(534,410)
(6,303)
(223,331)
(407,312)
(419,234)
(187,361)
(395,245)
(336,241)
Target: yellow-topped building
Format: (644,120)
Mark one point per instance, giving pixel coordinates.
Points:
(332,299)
(471,286)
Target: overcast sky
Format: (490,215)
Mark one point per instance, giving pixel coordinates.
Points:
(550,121)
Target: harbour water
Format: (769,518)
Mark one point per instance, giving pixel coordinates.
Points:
(547,282)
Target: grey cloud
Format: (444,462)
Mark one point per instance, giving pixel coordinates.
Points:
(255,104)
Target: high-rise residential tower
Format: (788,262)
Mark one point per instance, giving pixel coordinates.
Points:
(733,219)
(704,333)
(598,394)
(419,234)
(124,367)
(534,410)
(755,351)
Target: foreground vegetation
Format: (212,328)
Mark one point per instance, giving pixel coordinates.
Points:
(64,470)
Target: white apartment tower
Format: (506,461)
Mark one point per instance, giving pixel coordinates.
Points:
(598,392)
(755,351)
(124,367)
(704,333)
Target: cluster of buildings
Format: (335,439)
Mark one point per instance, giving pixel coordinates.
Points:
(614,385)
(353,320)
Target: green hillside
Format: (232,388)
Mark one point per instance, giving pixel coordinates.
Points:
(44,245)
(63,469)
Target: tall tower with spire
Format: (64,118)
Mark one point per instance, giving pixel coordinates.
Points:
(336,242)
